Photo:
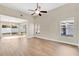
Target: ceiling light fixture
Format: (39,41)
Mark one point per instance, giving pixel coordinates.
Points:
(37,12)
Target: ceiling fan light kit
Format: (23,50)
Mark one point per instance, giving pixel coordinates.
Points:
(37,11)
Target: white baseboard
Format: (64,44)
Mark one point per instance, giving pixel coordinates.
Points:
(57,40)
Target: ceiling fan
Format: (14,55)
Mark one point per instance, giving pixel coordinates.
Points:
(37,11)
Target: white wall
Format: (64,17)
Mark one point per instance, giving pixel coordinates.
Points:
(50,24)
(16,14)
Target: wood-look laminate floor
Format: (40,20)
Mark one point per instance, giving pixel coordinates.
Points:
(15,46)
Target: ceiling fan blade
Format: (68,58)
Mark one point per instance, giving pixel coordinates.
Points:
(32,13)
(30,10)
(43,11)
(39,14)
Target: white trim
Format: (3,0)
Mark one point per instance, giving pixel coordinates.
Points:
(57,40)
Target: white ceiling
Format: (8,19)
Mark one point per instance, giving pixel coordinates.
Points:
(25,6)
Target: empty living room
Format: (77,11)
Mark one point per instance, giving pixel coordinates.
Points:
(39,29)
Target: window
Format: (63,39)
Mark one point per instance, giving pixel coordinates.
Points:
(67,28)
